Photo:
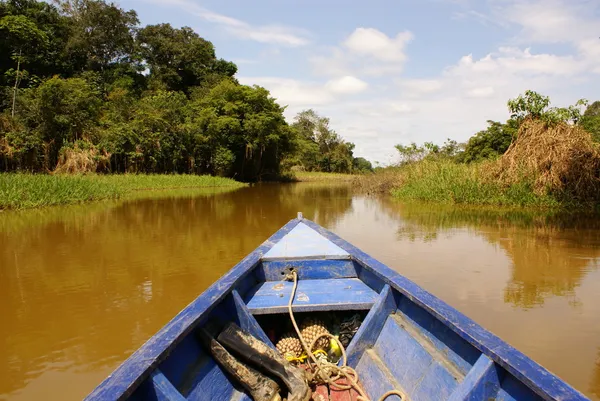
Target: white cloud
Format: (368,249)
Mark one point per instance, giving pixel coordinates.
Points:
(366,51)
(485,91)
(402,108)
(515,60)
(551,21)
(292,92)
(371,42)
(420,86)
(273,34)
(346,85)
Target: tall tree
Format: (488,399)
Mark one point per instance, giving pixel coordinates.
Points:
(491,142)
(179,58)
(240,131)
(23,37)
(101,33)
(591,120)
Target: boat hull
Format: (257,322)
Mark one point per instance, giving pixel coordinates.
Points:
(409,340)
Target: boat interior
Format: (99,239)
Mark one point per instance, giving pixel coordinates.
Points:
(399,345)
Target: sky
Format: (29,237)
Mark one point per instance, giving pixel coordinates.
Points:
(392,72)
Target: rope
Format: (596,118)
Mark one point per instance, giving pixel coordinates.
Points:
(325,372)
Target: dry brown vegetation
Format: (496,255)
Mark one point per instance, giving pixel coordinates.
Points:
(381,182)
(560,160)
(77,160)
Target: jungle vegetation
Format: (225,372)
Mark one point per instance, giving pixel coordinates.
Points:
(85,88)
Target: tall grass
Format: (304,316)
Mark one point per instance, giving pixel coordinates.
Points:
(449,182)
(23,191)
(305,176)
(453,183)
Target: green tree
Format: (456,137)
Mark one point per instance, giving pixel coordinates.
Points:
(101,34)
(23,37)
(239,131)
(411,153)
(44,58)
(534,105)
(491,142)
(591,120)
(362,165)
(318,147)
(60,111)
(179,59)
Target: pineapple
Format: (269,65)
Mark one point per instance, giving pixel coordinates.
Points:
(289,346)
(312,328)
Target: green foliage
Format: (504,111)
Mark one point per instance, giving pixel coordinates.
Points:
(22,191)
(94,91)
(101,34)
(318,147)
(178,58)
(60,111)
(536,106)
(448,182)
(362,165)
(413,152)
(491,142)
(591,120)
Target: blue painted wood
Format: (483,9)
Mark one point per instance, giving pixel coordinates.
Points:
(404,357)
(375,378)
(514,390)
(436,384)
(211,383)
(303,242)
(516,363)
(163,389)
(123,381)
(308,269)
(481,383)
(371,327)
(369,278)
(311,295)
(186,357)
(459,351)
(247,322)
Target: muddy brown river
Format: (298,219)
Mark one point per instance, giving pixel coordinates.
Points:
(82,287)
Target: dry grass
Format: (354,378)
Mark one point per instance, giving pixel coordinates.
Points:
(303,176)
(78,160)
(380,182)
(561,160)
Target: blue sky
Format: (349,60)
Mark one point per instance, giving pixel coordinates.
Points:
(389,72)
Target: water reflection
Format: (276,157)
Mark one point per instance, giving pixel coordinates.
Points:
(82,287)
(595,384)
(551,252)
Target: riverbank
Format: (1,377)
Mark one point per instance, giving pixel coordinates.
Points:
(305,176)
(550,166)
(448,182)
(25,191)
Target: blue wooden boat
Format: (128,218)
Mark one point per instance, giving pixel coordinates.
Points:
(409,340)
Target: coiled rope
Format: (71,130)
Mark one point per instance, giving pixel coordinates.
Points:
(323,371)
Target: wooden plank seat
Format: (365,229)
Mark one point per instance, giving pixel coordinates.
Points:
(311,295)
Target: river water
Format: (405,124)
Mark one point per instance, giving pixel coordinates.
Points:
(82,287)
